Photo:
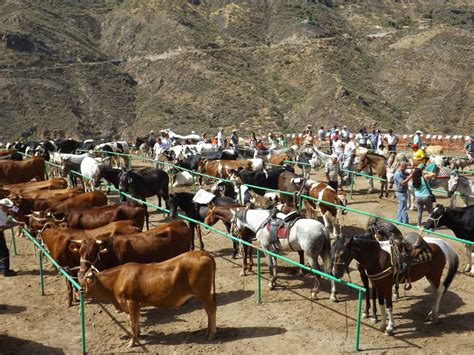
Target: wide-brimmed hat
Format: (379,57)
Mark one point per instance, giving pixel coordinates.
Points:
(7,202)
(418,132)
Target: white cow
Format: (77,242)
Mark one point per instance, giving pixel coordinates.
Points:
(182,178)
(90,168)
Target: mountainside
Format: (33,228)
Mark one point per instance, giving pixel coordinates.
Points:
(120,68)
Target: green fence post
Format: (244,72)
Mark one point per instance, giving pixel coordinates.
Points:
(194,183)
(13,241)
(83,324)
(259,281)
(40,261)
(359,305)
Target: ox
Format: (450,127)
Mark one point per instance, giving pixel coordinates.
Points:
(57,242)
(95,217)
(165,285)
(84,200)
(158,244)
(13,172)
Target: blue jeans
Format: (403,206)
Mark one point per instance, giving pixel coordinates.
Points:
(402,214)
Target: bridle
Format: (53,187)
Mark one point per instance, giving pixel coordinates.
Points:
(436,220)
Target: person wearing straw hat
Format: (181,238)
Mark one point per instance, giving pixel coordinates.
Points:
(469,148)
(5,206)
(417,139)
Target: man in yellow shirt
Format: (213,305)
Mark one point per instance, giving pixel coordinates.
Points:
(419,155)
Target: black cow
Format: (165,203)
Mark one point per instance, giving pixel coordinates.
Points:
(191,162)
(89,144)
(460,221)
(68,146)
(184,200)
(267,178)
(220,155)
(143,183)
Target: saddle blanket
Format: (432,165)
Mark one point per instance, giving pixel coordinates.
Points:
(425,256)
(282,232)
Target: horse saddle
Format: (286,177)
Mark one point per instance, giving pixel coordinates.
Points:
(414,245)
(280,225)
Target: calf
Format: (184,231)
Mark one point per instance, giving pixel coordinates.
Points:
(12,171)
(165,285)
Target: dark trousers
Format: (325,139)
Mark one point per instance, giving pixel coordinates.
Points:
(333,184)
(4,253)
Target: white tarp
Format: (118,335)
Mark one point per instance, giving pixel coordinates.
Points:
(203,197)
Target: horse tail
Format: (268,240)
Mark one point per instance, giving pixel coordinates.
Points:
(453,261)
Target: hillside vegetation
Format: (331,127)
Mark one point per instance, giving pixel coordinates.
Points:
(120,68)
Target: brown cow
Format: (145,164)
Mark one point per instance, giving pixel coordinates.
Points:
(165,285)
(94,217)
(57,242)
(6,154)
(331,215)
(48,194)
(12,172)
(85,200)
(158,244)
(223,168)
(25,187)
(279,159)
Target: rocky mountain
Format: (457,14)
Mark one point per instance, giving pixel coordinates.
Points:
(117,68)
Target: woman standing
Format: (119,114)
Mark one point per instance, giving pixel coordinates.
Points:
(423,194)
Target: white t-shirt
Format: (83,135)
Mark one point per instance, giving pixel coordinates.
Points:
(220,139)
(391,139)
(338,147)
(345,133)
(349,148)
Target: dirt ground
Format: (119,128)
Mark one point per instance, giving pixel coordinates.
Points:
(287,320)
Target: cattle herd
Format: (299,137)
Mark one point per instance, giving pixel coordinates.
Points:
(103,244)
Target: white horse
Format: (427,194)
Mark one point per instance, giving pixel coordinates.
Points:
(463,185)
(306,235)
(90,169)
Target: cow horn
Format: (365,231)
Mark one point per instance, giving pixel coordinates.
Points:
(78,241)
(98,242)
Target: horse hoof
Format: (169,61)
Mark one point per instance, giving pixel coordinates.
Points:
(333,299)
(271,287)
(234,256)
(382,327)
(434,320)
(365,315)
(242,274)
(395,297)
(314,295)
(389,332)
(373,320)
(467,269)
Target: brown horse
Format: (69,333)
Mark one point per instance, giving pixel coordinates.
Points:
(377,163)
(216,213)
(377,262)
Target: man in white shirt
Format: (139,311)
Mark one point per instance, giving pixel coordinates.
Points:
(338,147)
(5,205)
(349,155)
(220,139)
(392,141)
(361,138)
(345,133)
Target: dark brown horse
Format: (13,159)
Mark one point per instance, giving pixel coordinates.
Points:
(378,164)
(216,213)
(378,265)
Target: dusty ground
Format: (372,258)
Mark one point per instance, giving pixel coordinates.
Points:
(287,320)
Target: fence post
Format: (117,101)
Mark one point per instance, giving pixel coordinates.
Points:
(259,281)
(13,241)
(194,183)
(359,305)
(83,324)
(40,261)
